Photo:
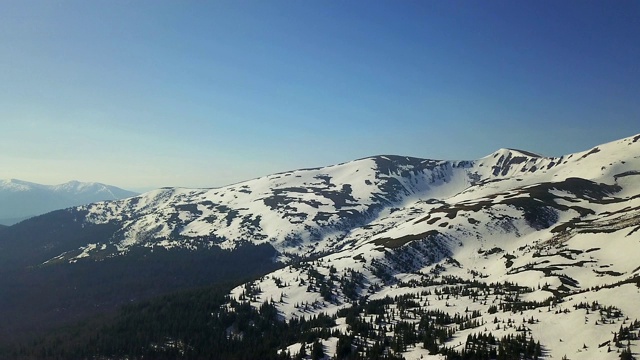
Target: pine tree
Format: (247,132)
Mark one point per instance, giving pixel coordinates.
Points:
(303,351)
(317,352)
(626,354)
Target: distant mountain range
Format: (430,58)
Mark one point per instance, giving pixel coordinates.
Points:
(20,200)
(416,257)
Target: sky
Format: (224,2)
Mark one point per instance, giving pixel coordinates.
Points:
(143,94)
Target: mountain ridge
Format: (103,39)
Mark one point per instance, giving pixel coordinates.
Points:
(328,194)
(21,199)
(504,234)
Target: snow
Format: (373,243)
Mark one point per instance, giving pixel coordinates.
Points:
(561,329)
(17,185)
(452,184)
(473,208)
(86,250)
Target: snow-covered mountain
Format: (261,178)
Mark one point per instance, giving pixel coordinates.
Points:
(323,210)
(21,199)
(512,243)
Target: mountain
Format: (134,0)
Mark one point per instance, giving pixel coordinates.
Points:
(417,257)
(20,200)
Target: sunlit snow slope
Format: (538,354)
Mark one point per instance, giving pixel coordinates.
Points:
(313,210)
(524,240)
(548,247)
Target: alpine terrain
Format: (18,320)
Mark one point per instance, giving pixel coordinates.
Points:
(20,200)
(514,255)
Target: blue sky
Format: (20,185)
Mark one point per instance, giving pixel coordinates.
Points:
(142,94)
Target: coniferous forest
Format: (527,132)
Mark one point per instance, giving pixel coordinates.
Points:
(207,324)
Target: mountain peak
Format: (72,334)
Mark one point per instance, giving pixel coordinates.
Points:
(75,185)
(16,185)
(512,152)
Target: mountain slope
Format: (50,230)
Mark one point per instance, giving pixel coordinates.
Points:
(313,211)
(548,250)
(514,239)
(21,199)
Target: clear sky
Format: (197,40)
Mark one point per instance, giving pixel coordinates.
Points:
(143,94)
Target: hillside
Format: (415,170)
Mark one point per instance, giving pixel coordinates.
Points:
(410,257)
(553,250)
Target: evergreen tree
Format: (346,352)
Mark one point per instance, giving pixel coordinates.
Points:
(303,352)
(626,354)
(317,351)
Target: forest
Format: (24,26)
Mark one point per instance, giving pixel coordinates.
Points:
(207,324)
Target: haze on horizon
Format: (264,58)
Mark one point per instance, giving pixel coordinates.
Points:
(202,94)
